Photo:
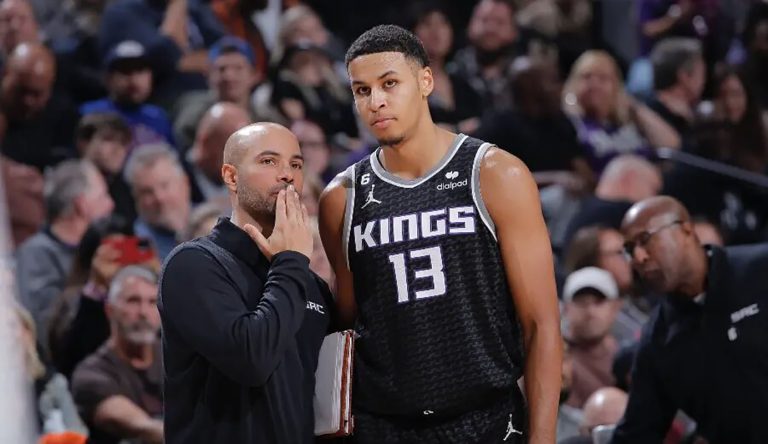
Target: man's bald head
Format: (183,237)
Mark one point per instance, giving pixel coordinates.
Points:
(662,245)
(604,407)
(254,136)
(219,122)
(17,24)
(658,208)
(28,80)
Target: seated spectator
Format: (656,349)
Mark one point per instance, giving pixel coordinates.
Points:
(231,79)
(55,409)
(755,41)
(485,62)
(568,417)
(175,34)
(453,102)
(237,18)
(207,154)
(604,408)
(315,149)
(79,325)
(40,124)
(161,190)
(23,189)
(104,139)
(626,179)
(129,85)
(537,131)
(17,25)
(300,24)
(71,30)
(607,120)
(679,75)
(75,196)
(591,301)
(603,247)
(118,388)
(743,124)
(202,220)
(307,87)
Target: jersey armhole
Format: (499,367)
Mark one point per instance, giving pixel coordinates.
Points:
(477,196)
(348,212)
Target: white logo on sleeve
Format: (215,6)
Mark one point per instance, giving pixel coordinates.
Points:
(745,312)
(511,429)
(370,199)
(314,306)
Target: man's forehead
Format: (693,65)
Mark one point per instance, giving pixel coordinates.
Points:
(371,66)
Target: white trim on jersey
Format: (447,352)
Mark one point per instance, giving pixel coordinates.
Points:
(349,212)
(477,196)
(391,179)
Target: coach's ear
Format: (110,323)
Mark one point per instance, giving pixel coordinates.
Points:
(426,81)
(229,176)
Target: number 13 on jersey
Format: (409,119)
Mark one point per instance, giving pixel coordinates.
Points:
(434,272)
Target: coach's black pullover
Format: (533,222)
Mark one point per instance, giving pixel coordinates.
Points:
(240,368)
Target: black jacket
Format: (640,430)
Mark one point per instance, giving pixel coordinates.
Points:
(709,360)
(240,368)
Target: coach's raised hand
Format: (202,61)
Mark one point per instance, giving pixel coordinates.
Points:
(292,230)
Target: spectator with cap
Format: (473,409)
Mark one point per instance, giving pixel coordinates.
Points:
(129,84)
(75,196)
(231,78)
(590,303)
(175,34)
(237,17)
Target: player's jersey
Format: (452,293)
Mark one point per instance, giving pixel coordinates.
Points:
(438,330)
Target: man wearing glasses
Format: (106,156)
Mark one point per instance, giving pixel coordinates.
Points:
(705,348)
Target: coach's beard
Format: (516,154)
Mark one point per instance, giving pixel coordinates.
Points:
(257,205)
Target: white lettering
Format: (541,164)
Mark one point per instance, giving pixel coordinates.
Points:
(461,220)
(413,227)
(426,223)
(361,236)
(745,312)
(384,231)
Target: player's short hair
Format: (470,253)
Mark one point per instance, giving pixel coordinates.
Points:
(388,38)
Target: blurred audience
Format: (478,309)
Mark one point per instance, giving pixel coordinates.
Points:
(129,82)
(75,196)
(453,102)
(162,193)
(118,388)
(591,301)
(232,78)
(207,154)
(608,121)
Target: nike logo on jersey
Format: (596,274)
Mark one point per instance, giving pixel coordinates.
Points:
(422,225)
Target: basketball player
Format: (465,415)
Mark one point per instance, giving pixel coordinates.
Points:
(444,264)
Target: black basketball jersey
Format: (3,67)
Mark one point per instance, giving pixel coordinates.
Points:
(438,334)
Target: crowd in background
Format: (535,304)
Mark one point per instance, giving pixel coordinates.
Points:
(114,115)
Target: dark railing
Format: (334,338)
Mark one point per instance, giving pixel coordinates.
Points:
(740,174)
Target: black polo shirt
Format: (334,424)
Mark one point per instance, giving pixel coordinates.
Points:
(709,359)
(240,368)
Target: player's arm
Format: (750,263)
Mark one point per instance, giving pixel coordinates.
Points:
(333,203)
(512,199)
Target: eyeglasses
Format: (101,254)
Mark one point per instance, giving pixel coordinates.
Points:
(643,238)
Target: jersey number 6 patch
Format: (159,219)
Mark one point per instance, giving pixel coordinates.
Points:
(433,272)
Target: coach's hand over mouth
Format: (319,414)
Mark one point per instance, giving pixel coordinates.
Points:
(292,229)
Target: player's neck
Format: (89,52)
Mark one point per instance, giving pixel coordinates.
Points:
(418,154)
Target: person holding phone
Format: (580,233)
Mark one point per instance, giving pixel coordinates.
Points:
(243,318)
